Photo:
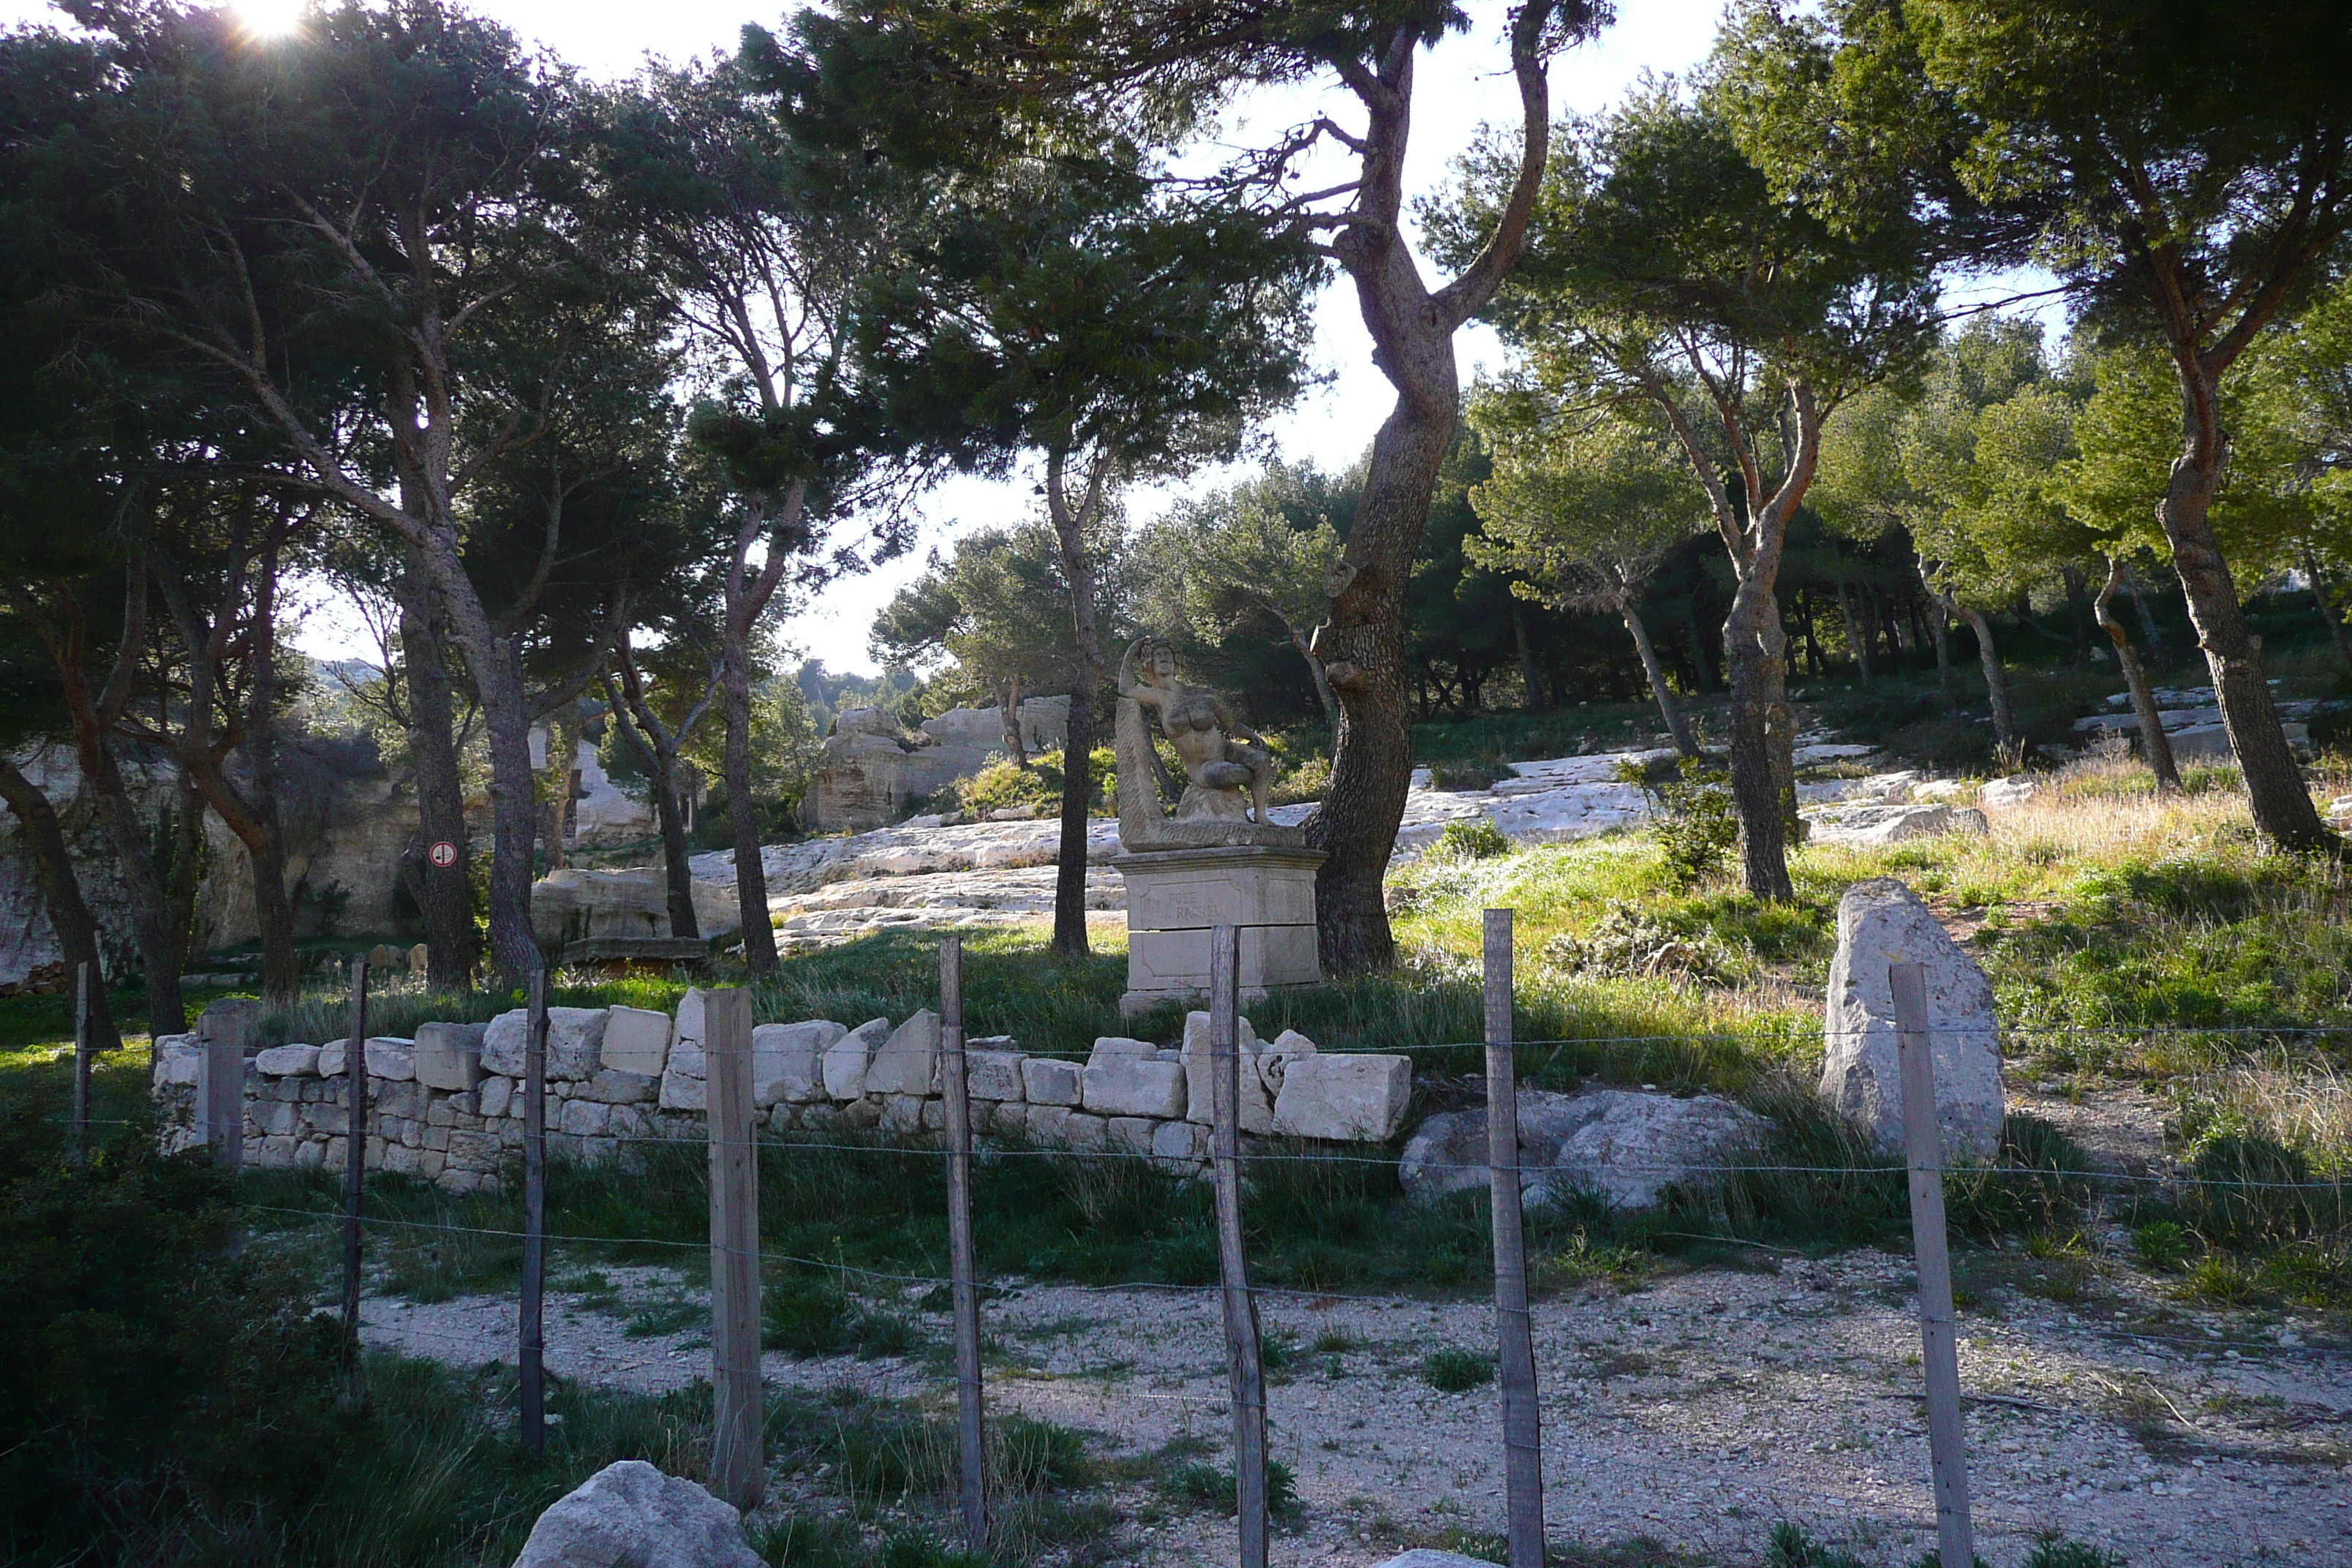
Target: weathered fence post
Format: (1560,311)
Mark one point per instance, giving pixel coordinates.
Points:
(737,1463)
(81,1063)
(356,1104)
(531,1358)
(1923,1142)
(1514,1331)
(1242,1344)
(964,1267)
(220,1088)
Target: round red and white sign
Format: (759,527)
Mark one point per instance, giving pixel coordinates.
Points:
(444,854)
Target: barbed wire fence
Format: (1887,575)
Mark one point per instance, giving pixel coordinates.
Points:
(1945,1505)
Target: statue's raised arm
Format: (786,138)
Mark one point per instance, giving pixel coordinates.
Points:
(1134,683)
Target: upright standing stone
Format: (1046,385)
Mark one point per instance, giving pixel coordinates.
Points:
(1882,921)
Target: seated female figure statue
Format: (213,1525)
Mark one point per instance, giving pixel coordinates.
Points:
(1221,754)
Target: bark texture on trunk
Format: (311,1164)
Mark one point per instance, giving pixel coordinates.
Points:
(1763,785)
(1362,645)
(2276,793)
(213,731)
(656,746)
(1304,643)
(1070,526)
(779,525)
(2004,723)
(61,898)
(95,712)
(2154,747)
(447,901)
(1677,723)
(1855,638)
(1008,724)
(1755,532)
(1939,631)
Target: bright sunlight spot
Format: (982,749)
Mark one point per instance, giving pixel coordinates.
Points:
(271,19)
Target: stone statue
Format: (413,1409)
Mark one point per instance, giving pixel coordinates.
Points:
(1221,757)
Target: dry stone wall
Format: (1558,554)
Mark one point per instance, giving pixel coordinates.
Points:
(446,1106)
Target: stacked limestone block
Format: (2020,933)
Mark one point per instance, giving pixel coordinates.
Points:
(448,1106)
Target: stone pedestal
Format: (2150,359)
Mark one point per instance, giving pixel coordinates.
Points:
(1174,898)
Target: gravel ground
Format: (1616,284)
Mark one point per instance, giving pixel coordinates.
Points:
(1694,1410)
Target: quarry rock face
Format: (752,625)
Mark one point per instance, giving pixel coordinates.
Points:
(1882,921)
(1892,824)
(630,1515)
(1625,1146)
(574,904)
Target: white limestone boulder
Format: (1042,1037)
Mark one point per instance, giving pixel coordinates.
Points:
(1051,1081)
(1263,1066)
(1626,1146)
(450,1056)
(637,1040)
(392,1059)
(2015,790)
(175,1058)
(847,1059)
(1430,1557)
(996,1074)
(909,1061)
(1895,824)
(1882,921)
(630,1515)
(1346,1098)
(289,1061)
(1123,1082)
(575,1039)
(788,1061)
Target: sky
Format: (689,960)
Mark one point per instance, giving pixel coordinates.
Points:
(1461,83)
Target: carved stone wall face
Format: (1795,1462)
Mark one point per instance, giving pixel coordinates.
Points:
(1176,896)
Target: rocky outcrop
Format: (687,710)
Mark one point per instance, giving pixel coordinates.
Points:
(1626,1147)
(1881,922)
(630,1515)
(1892,824)
(870,772)
(570,905)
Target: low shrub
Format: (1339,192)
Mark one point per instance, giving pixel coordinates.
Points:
(1470,839)
(1205,1486)
(1456,1371)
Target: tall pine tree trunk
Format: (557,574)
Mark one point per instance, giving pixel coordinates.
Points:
(2276,793)
(93,713)
(1070,526)
(1755,660)
(2155,749)
(1677,724)
(2004,723)
(449,890)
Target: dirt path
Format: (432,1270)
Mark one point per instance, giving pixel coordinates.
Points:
(1696,1411)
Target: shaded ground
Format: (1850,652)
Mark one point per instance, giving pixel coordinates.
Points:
(1695,1409)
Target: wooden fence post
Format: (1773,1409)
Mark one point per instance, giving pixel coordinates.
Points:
(1514,1331)
(963,1267)
(81,1063)
(1923,1141)
(738,1462)
(355,1120)
(1242,1344)
(222,1086)
(531,1356)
